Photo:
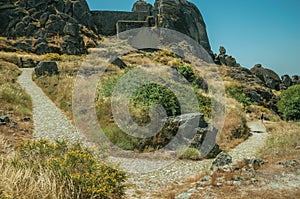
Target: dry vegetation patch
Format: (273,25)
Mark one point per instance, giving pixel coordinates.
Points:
(16,105)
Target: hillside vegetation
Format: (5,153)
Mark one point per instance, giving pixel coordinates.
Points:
(40,169)
(234,132)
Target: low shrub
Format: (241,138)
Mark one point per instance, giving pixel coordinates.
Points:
(187,72)
(238,94)
(191,154)
(79,173)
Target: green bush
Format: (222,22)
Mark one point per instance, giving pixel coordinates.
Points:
(187,72)
(152,94)
(289,104)
(238,94)
(205,104)
(89,176)
(191,154)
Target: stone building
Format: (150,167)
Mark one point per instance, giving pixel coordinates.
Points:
(113,22)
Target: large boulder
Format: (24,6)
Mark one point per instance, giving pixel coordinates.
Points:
(286,82)
(46,68)
(269,77)
(185,130)
(184,17)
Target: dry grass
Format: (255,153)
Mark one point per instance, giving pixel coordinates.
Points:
(282,143)
(234,130)
(56,171)
(59,87)
(15,103)
(31,183)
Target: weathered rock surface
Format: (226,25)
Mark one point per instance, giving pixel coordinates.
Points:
(269,77)
(253,87)
(286,82)
(46,68)
(4,120)
(184,17)
(56,26)
(119,62)
(189,129)
(295,79)
(224,59)
(221,160)
(68,26)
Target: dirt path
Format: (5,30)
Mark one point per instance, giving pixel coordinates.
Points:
(51,123)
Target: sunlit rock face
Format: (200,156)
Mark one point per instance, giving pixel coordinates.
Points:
(185,17)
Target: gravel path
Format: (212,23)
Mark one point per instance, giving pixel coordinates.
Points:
(183,169)
(51,123)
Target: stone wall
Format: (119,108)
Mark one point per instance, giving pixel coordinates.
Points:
(128,25)
(105,21)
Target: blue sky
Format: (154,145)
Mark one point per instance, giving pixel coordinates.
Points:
(252,31)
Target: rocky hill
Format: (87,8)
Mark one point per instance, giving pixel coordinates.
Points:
(70,27)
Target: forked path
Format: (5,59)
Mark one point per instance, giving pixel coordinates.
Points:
(52,124)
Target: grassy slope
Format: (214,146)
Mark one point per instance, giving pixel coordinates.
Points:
(15,103)
(59,89)
(41,169)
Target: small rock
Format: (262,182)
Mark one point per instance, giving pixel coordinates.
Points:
(238,178)
(254,180)
(13,125)
(289,163)
(119,62)
(205,178)
(219,184)
(297,147)
(26,119)
(226,169)
(254,162)
(237,183)
(4,120)
(221,160)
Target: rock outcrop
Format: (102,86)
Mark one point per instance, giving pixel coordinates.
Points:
(184,17)
(269,77)
(185,130)
(288,81)
(46,68)
(224,59)
(52,26)
(69,27)
(253,87)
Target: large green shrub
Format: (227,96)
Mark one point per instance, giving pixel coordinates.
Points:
(151,94)
(289,104)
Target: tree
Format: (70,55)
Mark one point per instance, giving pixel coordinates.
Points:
(289,104)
